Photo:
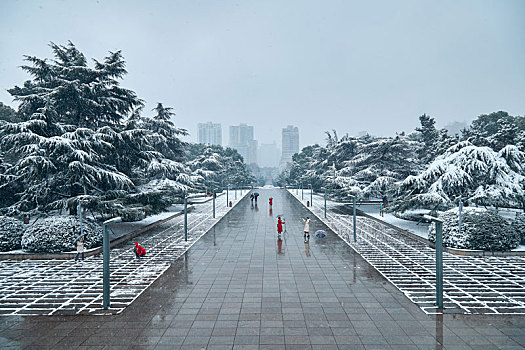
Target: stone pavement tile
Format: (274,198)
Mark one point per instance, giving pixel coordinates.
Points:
(347,339)
(228,340)
(271,339)
(322,339)
(298,347)
(246,339)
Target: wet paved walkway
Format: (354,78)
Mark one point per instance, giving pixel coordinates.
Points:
(240,288)
(489,285)
(58,287)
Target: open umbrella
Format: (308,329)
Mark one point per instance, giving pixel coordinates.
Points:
(320,234)
(256,194)
(78,237)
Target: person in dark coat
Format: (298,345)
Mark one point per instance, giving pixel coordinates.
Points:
(139,251)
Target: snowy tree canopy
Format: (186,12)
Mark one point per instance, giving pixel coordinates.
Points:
(218,167)
(364,166)
(478,174)
(82,136)
(81,95)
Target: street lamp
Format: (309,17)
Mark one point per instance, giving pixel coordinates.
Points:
(105,263)
(311,196)
(439,259)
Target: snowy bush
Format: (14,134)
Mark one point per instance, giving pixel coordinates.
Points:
(133,214)
(11,230)
(57,234)
(480,229)
(519,226)
(416,216)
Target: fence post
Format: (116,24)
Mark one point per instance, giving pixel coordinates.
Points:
(185,218)
(355,228)
(325,204)
(213,204)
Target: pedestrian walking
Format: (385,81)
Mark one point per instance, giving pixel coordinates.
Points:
(80,248)
(306,228)
(256,195)
(139,251)
(270,200)
(251,198)
(381,210)
(279,225)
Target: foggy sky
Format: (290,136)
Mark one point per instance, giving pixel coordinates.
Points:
(320,65)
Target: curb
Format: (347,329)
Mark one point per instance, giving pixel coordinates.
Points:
(98,250)
(454,251)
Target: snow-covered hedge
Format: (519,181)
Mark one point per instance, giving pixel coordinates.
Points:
(480,229)
(519,226)
(11,231)
(57,234)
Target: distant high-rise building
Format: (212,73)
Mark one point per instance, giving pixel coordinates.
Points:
(269,155)
(290,144)
(210,133)
(241,138)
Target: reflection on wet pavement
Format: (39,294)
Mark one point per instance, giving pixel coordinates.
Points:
(233,290)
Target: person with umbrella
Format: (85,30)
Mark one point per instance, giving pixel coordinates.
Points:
(256,195)
(80,247)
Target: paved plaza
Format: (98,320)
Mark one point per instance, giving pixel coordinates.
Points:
(61,287)
(482,285)
(240,287)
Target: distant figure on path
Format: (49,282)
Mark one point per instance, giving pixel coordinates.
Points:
(80,248)
(279,226)
(381,212)
(306,228)
(251,198)
(270,200)
(256,195)
(139,251)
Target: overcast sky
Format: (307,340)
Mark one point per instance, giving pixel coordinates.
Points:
(319,65)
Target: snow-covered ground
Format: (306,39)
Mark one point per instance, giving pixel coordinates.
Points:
(47,287)
(492,285)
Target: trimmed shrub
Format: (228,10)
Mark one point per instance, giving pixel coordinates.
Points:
(518,225)
(481,229)
(132,214)
(11,231)
(57,234)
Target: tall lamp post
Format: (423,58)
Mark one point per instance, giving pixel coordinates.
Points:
(311,196)
(439,260)
(106,290)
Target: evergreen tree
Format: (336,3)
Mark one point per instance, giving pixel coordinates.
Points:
(81,95)
(429,136)
(7,113)
(478,174)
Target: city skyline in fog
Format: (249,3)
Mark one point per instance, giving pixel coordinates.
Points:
(349,66)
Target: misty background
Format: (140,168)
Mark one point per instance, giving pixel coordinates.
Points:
(351,66)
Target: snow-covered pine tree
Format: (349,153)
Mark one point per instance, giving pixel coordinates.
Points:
(478,174)
(55,163)
(429,137)
(81,95)
(496,130)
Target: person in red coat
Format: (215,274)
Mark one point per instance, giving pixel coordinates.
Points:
(279,225)
(139,251)
(270,200)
